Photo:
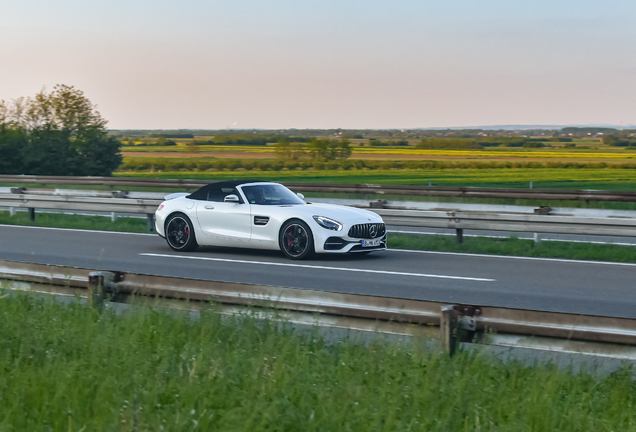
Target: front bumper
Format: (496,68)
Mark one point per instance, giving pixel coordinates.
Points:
(348,245)
(351,237)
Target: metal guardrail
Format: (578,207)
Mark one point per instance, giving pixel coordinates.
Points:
(147,202)
(433,191)
(460,220)
(33,201)
(457,323)
(124,205)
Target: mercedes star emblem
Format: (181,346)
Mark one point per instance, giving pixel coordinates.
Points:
(373,231)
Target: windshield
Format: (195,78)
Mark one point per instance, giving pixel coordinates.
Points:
(270,194)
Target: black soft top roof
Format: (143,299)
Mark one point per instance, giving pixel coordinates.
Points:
(202,193)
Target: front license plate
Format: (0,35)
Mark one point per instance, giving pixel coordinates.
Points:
(371,243)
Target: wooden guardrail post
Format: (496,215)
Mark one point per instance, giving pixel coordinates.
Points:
(460,235)
(151,222)
(31,214)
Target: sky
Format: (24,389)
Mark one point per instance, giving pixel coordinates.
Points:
(204,64)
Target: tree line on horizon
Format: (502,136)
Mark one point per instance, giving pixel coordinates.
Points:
(58,133)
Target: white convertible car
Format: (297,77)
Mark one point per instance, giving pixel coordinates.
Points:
(264,215)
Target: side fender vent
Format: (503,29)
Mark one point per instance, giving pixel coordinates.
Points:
(261,220)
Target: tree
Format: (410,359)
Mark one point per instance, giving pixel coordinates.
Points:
(4,113)
(65,109)
(329,150)
(12,141)
(57,133)
(618,141)
(193,146)
(609,140)
(287,150)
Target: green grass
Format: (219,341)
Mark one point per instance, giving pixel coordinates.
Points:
(515,247)
(69,368)
(478,245)
(98,223)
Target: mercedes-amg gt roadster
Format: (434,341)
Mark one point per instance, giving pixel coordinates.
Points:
(265,215)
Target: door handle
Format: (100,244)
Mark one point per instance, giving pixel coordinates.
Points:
(209,207)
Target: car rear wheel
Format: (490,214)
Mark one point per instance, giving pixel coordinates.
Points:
(180,233)
(296,240)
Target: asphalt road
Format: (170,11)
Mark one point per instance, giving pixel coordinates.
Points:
(607,289)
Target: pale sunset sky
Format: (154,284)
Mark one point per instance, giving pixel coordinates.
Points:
(166,64)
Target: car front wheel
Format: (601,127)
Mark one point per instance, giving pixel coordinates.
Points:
(296,240)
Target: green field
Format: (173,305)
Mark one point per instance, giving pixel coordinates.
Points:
(69,368)
(602,179)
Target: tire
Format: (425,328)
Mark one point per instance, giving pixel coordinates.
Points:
(296,240)
(180,233)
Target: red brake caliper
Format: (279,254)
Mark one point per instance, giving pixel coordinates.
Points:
(187,231)
(288,236)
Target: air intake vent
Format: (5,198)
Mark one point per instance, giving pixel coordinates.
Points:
(261,220)
(367,231)
(335,243)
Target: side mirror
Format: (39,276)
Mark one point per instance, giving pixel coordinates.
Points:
(231,198)
(301,196)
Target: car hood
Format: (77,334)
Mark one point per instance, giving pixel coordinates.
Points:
(340,213)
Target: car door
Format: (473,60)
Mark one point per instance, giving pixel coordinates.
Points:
(224,223)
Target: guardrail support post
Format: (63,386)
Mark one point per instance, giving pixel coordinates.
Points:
(113,216)
(537,238)
(31,214)
(11,211)
(460,235)
(96,293)
(151,222)
(448,329)
(101,287)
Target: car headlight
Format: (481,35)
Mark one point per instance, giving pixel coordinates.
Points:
(327,223)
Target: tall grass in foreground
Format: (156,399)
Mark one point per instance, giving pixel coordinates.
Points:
(68,368)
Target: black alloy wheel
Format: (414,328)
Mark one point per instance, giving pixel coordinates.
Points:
(180,233)
(296,240)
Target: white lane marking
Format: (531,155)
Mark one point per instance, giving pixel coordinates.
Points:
(318,267)
(371,271)
(80,230)
(506,237)
(515,257)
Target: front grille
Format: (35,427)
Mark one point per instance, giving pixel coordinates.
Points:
(363,231)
